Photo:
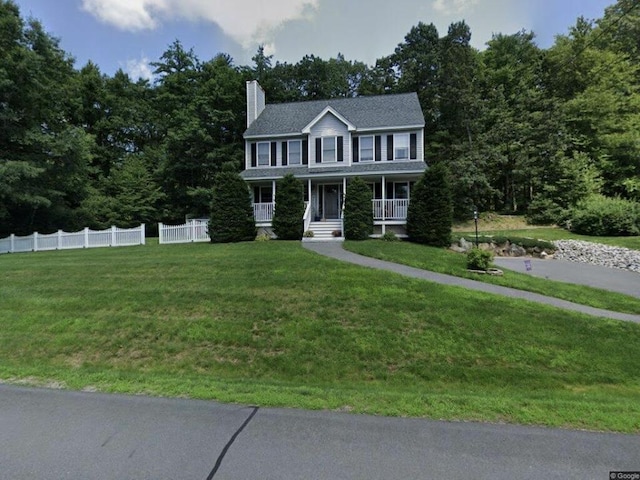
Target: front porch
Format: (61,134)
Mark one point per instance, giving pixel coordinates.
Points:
(324,203)
(382,210)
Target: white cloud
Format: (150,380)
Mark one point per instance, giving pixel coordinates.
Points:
(246,21)
(454,7)
(139,68)
(127,14)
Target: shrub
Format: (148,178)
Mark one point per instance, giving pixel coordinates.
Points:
(358,213)
(308,234)
(430,213)
(600,216)
(479,259)
(287,218)
(544,211)
(231,210)
(263,237)
(390,236)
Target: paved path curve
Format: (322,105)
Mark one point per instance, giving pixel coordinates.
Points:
(335,250)
(62,435)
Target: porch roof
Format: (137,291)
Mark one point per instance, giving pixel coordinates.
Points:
(354,170)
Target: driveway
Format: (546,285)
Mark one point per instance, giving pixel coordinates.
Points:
(58,435)
(612,279)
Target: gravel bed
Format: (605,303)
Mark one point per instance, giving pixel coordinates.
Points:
(598,254)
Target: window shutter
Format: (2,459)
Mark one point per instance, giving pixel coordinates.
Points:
(389,147)
(274,146)
(284,154)
(340,150)
(318,150)
(355,157)
(413,146)
(254,155)
(305,152)
(378,148)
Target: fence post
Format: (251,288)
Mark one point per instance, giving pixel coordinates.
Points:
(113,236)
(142,234)
(12,243)
(35,241)
(193,230)
(160,239)
(59,240)
(86,237)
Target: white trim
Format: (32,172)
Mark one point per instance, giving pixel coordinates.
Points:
(395,147)
(341,174)
(368,131)
(331,110)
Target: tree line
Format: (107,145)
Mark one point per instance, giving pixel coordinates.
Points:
(521,129)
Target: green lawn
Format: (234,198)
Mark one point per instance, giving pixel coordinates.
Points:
(270,323)
(445,261)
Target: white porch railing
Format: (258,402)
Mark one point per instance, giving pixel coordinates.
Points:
(87,238)
(307,215)
(192,231)
(263,212)
(390,209)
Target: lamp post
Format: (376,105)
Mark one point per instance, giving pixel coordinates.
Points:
(475,219)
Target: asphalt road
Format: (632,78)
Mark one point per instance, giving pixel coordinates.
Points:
(57,435)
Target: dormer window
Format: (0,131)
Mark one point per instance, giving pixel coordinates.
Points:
(328,149)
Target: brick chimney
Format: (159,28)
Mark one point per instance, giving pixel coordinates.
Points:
(255,101)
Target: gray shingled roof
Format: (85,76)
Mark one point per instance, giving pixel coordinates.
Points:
(382,111)
(368,168)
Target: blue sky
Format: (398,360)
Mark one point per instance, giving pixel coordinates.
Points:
(129,34)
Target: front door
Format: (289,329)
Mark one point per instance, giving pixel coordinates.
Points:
(331,202)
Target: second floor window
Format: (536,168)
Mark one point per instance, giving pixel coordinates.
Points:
(295,152)
(328,149)
(366,149)
(263,154)
(401,147)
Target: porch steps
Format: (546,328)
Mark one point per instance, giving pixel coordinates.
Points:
(323,231)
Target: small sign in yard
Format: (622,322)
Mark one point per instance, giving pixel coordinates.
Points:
(527,265)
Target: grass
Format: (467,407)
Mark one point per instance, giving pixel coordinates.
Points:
(516,226)
(273,324)
(445,261)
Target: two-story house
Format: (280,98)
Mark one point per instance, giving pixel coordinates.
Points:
(326,143)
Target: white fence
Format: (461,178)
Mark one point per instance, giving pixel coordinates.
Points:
(192,231)
(36,242)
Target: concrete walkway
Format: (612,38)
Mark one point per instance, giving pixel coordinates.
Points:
(335,250)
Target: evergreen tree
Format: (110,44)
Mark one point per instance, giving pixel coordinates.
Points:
(430,213)
(231,211)
(358,214)
(287,218)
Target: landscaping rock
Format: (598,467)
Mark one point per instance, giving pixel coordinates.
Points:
(466,246)
(598,254)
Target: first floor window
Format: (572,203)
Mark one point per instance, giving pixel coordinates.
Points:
(262,194)
(263,153)
(398,190)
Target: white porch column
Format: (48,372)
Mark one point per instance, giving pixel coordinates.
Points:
(273,192)
(384,204)
(344,193)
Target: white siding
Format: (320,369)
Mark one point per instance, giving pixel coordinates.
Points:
(330,126)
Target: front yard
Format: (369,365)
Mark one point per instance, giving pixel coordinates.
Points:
(270,323)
